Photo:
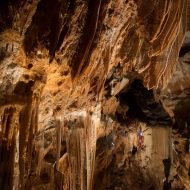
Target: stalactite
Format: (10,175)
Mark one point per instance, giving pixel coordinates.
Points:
(25,119)
(80,132)
(58,145)
(75,140)
(16,173)
(8,145)
(66,58)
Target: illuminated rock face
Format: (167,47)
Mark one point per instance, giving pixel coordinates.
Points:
(75,80)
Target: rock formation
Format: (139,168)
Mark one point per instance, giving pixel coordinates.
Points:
(94,94)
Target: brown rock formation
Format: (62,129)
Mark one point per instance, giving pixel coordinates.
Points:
(75,80)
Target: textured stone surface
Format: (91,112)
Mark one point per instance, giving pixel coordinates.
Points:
(75,80)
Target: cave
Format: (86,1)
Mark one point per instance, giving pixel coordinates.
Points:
(94,94)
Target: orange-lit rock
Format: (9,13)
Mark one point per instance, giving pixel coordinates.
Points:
(74,80)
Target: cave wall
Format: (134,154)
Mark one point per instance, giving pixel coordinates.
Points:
(61,59)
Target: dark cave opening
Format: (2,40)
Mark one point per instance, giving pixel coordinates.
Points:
(184,50)
(142,106)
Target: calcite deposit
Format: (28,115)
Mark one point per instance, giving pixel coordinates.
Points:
(94,94)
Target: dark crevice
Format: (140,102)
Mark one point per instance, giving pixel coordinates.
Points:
(182,118)
(184,50)
(70,12)
(46,25)
(142,105)
(101,16)
(87,38)
(62,36)
(8,9)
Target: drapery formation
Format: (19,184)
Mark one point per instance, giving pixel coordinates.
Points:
(79,130)
(60,58)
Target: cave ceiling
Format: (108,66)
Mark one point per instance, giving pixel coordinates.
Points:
(79,79)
